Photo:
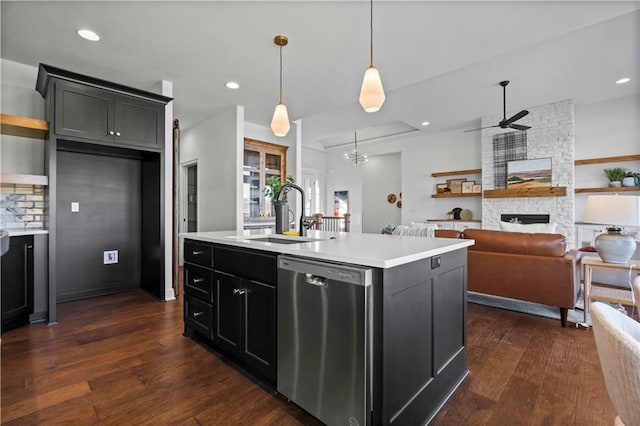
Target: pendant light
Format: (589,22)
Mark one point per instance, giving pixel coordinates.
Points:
(280,121)
(355,156)
(372,93)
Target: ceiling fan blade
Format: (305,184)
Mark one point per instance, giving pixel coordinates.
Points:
(480,128)
(516,117)
(519,127)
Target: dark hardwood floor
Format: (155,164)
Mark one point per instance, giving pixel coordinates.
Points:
(122,359)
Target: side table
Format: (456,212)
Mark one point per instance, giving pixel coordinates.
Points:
(596,291)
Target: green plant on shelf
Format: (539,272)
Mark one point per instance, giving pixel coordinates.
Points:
(615,174)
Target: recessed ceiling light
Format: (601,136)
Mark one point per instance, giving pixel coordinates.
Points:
(425,123)
(88,34)
(232,85)
(623,80)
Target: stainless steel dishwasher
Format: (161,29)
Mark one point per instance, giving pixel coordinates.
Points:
(324,339)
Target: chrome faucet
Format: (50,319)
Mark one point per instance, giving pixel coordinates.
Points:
(283,191)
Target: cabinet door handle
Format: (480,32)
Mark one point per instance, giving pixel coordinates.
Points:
(117,133)
(196,252)
(239,291)
(111,133)
(198,280)
(197,314)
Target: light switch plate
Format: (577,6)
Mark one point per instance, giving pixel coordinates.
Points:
(75,207)
(110,257)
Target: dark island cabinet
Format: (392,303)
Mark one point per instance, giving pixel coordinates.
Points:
(17,282)
(230,300)
(245,322)
(92,113)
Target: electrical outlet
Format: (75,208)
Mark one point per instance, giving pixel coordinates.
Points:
(110,257)
(75,207)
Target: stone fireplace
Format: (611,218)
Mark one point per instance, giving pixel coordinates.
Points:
(551,135)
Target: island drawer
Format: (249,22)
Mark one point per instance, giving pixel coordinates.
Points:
(198,281)
(197,252)
(198,315)
(257,266)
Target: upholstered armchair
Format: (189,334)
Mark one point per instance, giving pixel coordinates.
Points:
(618,341)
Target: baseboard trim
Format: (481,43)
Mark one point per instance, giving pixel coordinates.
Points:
(76,294)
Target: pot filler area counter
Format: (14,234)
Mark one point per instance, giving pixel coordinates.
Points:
(356,329)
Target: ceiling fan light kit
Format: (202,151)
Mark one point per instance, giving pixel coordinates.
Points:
(280,122)
(507,123)
(372,93)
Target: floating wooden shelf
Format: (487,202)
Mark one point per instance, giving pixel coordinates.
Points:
(450,195)
(457,172)
(23,126)
(620,158)
(609,189)
(18,179)
(555,191)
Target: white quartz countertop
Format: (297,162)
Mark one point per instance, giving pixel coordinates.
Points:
(19,232)
(376,250)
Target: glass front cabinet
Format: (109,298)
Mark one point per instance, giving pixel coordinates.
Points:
(261,160)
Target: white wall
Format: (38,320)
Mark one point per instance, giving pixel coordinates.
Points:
(19,97)
(605,129)
(213,144)
(421,155)
(381,176)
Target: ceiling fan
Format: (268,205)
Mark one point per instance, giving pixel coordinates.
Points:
(507,123)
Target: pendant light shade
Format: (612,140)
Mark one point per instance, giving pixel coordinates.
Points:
(372,93)
(280,122)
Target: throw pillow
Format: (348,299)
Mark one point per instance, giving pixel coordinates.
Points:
(545,228)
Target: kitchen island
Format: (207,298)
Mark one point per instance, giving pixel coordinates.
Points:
(354,328)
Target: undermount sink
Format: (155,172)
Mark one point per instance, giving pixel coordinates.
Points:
(285,240)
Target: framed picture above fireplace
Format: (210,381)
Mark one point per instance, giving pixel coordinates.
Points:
(535,173)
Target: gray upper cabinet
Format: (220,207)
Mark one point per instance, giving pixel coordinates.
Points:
(138,122)
(94,110)
(92,113)
(84,112)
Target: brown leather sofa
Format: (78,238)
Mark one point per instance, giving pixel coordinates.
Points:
(531,267)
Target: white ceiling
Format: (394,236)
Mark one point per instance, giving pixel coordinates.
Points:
(439,61)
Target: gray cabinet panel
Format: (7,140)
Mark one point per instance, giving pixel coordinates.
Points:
(449,298)
(83,112)
(17,282)
(138,122)
(100,115)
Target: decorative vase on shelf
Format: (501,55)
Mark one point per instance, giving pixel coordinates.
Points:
(615,183)
(629,181)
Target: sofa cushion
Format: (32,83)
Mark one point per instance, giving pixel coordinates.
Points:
(547,228)
(552,245)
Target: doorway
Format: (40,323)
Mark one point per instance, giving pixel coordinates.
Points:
(192,198)
(381,177)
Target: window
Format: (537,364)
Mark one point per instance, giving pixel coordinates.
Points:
(261,160)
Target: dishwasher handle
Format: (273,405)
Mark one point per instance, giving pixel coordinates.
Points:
(315,280)
(326,271)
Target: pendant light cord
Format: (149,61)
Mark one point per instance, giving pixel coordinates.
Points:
(355,142)
(371,32)
(280,74)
